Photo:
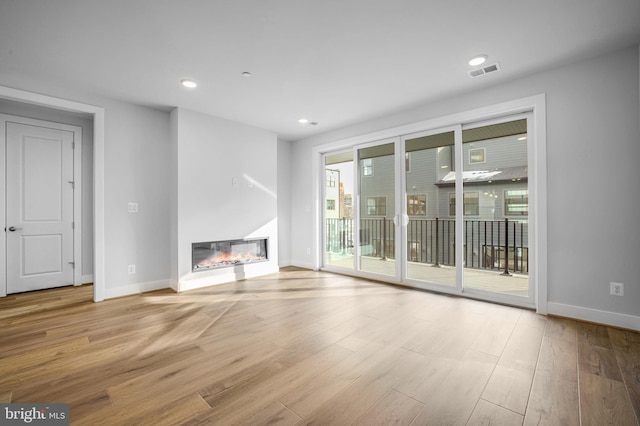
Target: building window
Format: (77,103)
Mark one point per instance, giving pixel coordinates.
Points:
(367,167)
(331,204)
(516,202)
(331,180)
(471,204)
(417,205)
(477,155)
(377,206)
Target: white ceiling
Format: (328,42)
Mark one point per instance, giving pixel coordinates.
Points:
(336,62)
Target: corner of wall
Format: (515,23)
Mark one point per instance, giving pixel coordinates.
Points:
(284,203)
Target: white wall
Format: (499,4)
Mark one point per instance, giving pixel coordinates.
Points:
(211,152)
(137,169)
(86,123)
(593,151)
(284,203)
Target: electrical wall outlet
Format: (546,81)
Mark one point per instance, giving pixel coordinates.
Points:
(132,208)
(617,289)
(132,269)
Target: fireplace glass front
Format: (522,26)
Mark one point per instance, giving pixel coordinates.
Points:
(211,255)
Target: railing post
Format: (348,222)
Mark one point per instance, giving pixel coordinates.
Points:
(437,243)
(506,247)
(343,237)
(384,237)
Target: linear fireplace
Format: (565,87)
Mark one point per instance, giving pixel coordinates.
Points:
(211,255)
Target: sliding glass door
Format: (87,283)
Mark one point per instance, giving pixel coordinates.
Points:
(496,218)
(377,211)
(360,209)
(445,209)
(429,169)
(339,187)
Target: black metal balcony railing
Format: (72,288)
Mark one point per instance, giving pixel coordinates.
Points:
(488,244)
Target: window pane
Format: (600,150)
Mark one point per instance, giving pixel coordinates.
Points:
(516,202)
(496,206)
(471,206)
(476,155)
(429,200)
(417,205)
(339,212)
(377,165)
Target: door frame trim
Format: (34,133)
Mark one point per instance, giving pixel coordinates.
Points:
(98,114)
(77,190)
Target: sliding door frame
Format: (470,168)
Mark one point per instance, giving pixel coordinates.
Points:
(536,106)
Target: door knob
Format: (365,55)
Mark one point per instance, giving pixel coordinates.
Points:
(14,229)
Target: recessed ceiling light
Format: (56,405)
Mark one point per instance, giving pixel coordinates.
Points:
(478,60)
(303,121)
(189,83)
(246,74)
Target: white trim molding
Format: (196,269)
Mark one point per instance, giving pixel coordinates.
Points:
(594,315)
(136,288)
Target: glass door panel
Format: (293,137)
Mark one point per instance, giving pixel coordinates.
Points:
(496,208)
(338,210)
(429,184)
(376,233)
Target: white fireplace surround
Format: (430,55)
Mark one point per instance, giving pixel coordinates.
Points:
(224,183)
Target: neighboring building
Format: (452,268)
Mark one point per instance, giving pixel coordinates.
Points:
(494,178)
(332,194)
(495,188)
(346,203)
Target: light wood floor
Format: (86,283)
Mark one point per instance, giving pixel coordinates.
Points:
(312,348)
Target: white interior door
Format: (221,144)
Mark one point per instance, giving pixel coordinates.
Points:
(39,207)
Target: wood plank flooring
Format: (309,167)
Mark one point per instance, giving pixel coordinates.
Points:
(304,347)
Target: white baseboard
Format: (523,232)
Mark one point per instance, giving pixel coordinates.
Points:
(136,288)
(87,279)
(305,265)
(594,315)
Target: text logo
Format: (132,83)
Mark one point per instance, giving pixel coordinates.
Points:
(34,414)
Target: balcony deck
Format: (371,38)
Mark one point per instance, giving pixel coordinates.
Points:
(490,280)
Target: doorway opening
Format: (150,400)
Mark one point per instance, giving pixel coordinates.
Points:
(20,101)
